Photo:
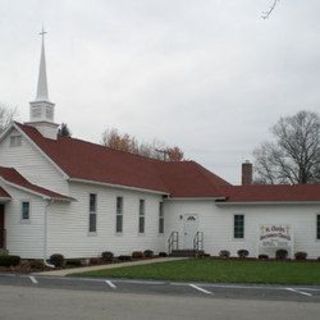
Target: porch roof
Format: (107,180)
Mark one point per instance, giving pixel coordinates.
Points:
(4,195)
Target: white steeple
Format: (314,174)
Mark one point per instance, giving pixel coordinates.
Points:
(42,91)
(41,109)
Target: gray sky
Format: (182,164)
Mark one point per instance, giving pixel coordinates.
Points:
(209,76)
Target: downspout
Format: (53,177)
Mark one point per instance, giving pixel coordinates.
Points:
(45,234)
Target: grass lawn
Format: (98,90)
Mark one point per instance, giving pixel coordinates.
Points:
(213,270)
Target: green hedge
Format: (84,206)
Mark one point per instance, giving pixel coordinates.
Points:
(9,261)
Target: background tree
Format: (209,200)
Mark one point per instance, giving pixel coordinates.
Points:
(64,131)
(294,155)
(7,115)
(111,138)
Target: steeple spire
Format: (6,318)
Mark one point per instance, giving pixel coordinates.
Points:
(42,90)
(41,109)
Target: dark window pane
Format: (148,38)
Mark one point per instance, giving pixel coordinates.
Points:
(161,225)
(141,207)
(238,228)
(25,210)
(318,226)
(119,205)
(141,225)
(119,222)
(93,202)
(92,222)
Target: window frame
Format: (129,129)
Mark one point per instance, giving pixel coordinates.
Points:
(237,228)
(141,218)
(119,215)
(93,214)
(161,219)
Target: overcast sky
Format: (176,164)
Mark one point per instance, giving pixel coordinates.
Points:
(210,76)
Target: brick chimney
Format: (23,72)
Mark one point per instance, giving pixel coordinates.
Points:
(246,173)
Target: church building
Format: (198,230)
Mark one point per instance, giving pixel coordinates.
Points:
(73,197)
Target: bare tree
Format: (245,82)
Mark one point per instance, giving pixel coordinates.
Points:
(7,115)
(157,150)
(266,14)
(294,156)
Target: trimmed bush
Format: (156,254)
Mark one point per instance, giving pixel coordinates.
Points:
(137,255)
(124,258)
(37,265)
(94,261)
(224,254)
(263,257)
(148,253)
(281,254)
(57,260)
(107,256)
(243,253)
(9,261)
(163,254)
(300,255)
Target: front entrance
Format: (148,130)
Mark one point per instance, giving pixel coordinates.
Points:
(2,231)
(190,228)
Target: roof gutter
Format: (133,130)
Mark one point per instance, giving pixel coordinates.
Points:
(120,186)
(195,198)
(270,203)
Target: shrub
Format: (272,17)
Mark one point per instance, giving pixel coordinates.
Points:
(107,256)
(224,254)
(300,255)
(148,253)
(281,254)
(263,257)
(9,261)
(3,252)
(137,255)
(243,253)
(57,260)
(74,262)
(37,265)
(124,258)
(95,261)
(163,254)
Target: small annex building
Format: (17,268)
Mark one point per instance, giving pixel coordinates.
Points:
(69,196)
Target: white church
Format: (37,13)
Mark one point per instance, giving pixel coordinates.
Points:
(73,197)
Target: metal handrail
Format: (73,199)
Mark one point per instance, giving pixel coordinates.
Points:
(173,241)
(198,241)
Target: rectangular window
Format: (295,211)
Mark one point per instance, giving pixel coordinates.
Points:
(238,226)
(119,215)
(25,210)
(318,226)
(161,218)
(92,212)
(15,141)
(141,215)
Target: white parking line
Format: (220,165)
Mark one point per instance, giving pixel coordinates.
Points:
(111,284)
(199,289)
(299,292)
(33,279)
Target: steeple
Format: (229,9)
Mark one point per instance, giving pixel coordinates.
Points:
(41,109)
(42,91)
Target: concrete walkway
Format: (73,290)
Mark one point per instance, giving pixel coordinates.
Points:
(66,272)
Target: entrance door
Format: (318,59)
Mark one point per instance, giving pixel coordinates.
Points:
(1,226)
(191,223)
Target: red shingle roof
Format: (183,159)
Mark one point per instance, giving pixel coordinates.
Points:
(84,160)
(4,193)
(13,176)
(273,193)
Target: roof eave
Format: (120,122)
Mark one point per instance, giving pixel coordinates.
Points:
(256,203)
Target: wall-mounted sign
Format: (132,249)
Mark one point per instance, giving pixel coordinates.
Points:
(275,236)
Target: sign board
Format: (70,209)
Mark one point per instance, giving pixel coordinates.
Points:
(275,236)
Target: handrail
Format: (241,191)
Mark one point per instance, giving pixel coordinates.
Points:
(173,241)
(198,241)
